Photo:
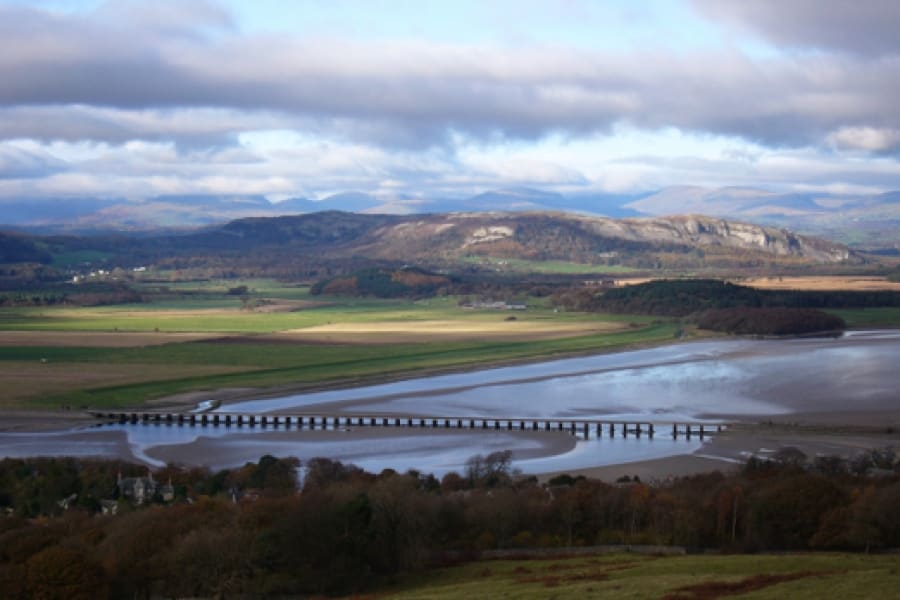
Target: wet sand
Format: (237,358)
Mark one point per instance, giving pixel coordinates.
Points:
(651,471)
(833,422)
(23,421)
(748,380)
(729,450)
(355,445)
(82,444)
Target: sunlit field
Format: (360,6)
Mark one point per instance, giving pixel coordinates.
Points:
(127,355)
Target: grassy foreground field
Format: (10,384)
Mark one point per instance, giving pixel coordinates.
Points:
(702,577)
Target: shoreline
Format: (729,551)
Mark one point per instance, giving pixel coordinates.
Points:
(38,420)
(227,396)
(723,452)
(842,431)
(728,451)
(188,401)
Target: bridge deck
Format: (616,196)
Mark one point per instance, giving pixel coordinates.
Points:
(584,428)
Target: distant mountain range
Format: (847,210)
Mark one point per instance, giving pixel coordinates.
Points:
(864,221)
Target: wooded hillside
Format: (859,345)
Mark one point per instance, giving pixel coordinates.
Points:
(252,532)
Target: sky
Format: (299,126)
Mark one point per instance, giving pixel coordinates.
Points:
(424,99)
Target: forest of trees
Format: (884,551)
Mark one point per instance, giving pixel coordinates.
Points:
(683,297)
(256,531)
(770,321)
(54,294)
(408,282)
(20,249)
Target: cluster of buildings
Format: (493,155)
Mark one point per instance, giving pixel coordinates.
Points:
(139,490)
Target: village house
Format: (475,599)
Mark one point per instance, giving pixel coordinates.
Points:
(144,489)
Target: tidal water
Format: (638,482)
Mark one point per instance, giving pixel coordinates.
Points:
(705,381)
(690,381)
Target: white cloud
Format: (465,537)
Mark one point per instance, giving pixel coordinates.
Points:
(142,99)
(411,93)
(870,139)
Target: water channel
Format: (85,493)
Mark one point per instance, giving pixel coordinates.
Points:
(702,381)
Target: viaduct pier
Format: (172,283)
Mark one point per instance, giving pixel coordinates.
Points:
(584,429)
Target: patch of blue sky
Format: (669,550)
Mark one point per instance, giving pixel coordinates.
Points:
(67,6)
(614,25)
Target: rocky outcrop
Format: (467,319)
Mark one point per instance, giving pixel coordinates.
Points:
(702,231)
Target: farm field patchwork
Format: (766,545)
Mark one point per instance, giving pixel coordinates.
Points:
(129,354)
(121,353)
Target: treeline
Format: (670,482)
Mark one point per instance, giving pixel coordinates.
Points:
(408,282)
(252,532)
(20,249)
(682,297)
(769,321)
(56,294)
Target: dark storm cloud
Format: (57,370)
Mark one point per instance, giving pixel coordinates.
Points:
(113,78)
(868,27)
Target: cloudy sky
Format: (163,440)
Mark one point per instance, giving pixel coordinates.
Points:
(399,98)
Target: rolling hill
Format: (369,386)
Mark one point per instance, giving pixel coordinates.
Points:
(866,221)
(334,242)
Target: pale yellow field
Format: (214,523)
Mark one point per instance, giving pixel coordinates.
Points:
(21,380)
(396,332)
(823,282)
(278,305)
(97,339)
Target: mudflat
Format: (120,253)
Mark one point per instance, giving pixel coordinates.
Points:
(832,415)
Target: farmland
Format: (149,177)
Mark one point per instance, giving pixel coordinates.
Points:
(190,336)
(202,339)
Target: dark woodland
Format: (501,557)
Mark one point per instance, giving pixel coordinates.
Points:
(256,531)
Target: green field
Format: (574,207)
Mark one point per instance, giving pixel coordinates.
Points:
(255,287)
(220,315)
(52,372)
(265,365)
(869,317)
(794,576)
(78,257)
